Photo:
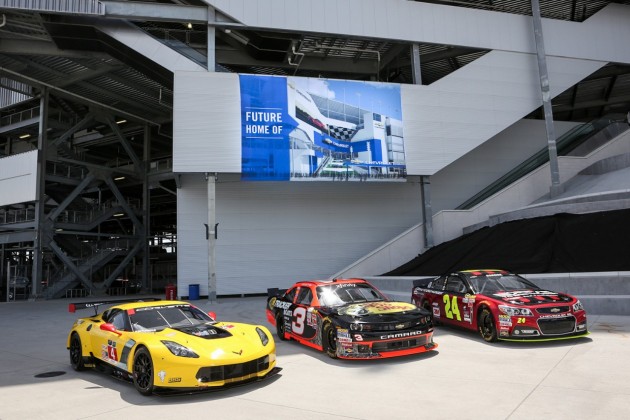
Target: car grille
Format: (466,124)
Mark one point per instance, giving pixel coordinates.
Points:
(226,372)
(556,326)
(385,346)
(553,310)
(391,326)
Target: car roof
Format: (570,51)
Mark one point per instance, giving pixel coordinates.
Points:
(125,304)
(329,282)
(483,272)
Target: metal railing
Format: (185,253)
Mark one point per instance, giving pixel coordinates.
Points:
(566,144)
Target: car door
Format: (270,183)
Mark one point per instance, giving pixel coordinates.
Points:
(454,310)
(303,317)
(112,347)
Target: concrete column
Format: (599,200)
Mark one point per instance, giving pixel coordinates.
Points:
(425,182)
(211,39)
(546,99)
(427,211)
(212,236)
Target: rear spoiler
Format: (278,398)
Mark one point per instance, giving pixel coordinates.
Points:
(73,307)
(423,282)
(274,291)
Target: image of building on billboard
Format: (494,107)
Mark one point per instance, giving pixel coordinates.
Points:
(309,129)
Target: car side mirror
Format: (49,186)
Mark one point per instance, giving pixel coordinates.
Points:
(110,328)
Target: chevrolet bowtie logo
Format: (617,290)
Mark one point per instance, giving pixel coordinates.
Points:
(238,352)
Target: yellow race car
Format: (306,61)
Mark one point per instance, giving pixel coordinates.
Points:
(169,346)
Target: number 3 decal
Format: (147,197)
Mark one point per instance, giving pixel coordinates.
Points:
(299,314)
(451,308)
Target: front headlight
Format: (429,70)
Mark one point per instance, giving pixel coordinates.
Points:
(512,311)
(577,306)
(263,337)
(179,350)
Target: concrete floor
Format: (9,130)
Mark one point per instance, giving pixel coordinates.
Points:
(465,377)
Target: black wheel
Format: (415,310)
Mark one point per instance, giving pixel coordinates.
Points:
(280,327)
(143,371)
(76,353)
(487,329)
(330,340)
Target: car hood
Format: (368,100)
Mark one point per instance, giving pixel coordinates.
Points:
(222,340)
(532,297)
(376,308)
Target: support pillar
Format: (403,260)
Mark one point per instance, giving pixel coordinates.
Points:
(427,212)
(425,182)
(40,193)
(546,100)
(211,39)
(146,208)
(212,236)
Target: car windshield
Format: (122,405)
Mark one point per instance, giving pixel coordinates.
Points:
(492,283)
(159,317)
(344,293)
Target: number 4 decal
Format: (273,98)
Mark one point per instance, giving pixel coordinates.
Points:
(451,308)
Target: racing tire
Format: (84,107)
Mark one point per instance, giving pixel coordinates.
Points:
(280,331)
(426,305)
(487,327)
(143,371)
(330,341)
(76,353)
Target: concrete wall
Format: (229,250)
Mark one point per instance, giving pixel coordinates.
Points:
(18,178)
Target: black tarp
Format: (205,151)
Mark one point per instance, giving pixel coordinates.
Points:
(562,243)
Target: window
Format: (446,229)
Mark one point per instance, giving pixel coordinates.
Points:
(305,297)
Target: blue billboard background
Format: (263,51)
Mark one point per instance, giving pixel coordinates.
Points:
(265,125)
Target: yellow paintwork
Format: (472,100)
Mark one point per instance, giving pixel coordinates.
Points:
(172,371)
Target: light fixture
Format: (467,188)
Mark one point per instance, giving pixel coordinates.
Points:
(120,178)
(25,136)
(119,214)
(240,38)
(121,121)
(189,25)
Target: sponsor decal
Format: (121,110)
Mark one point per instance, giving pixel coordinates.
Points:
(378,308)
(311,319)
(505,320)
(344,340)
(282,305)
(400,335)
(556,316)
(162,375)
(342,285)
(525,294)
(436,310)
(343,334)
(174,380)
(358,337)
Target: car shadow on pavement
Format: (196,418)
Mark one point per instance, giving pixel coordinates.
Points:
(443,331)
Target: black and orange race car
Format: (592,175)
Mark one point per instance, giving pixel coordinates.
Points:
(501,306)
(349,319)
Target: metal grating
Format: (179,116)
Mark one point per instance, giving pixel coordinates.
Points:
(81,7)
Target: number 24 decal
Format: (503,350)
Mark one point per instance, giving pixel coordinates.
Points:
(451,308)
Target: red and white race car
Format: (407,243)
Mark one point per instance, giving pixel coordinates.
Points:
(501,306)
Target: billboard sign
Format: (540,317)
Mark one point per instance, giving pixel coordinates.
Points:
(308,129)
